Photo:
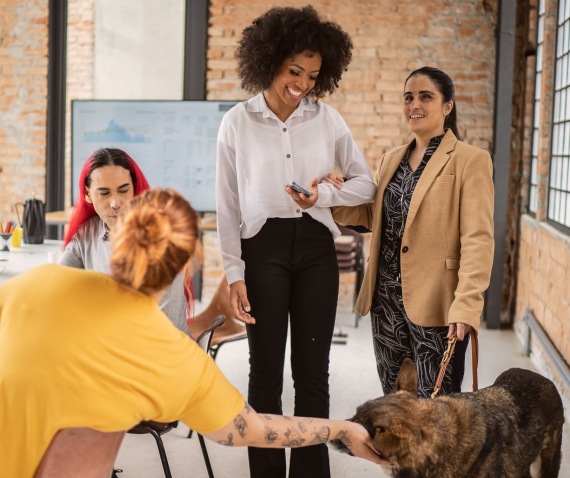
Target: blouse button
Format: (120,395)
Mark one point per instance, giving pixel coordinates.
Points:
(405,249)
(298,210)
(284,130)
(288,155)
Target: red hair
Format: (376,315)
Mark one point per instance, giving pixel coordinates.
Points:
(102,157)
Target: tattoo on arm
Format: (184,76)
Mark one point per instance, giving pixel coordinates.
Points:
(271,435)
(322,435)
(241,425)
(292,438)
(228,441)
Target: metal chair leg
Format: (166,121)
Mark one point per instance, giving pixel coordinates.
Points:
(161,452)
(206,457)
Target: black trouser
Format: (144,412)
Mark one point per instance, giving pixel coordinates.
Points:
(291,271)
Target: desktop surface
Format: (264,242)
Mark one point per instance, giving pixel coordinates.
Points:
(28,256)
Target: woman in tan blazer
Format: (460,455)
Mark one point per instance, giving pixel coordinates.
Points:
(432,239)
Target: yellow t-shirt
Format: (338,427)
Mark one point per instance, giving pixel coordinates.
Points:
(78,349)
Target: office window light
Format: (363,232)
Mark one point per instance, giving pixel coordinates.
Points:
(559,184)
(536,117)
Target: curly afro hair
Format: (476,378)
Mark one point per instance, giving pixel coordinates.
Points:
(282,32)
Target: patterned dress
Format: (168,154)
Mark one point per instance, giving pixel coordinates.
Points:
(395,337)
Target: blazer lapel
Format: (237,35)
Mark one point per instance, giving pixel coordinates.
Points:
(434,166)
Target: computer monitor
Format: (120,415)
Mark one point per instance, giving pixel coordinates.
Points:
(173,142)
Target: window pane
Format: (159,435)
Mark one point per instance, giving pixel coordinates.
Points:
(559,183)
(139,50)
(536,116)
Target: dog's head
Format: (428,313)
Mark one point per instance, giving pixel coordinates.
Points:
(393,420)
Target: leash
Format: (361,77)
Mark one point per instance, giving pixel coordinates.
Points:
(447,358)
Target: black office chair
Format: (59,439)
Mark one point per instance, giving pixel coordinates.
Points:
(350,256)
(157,429)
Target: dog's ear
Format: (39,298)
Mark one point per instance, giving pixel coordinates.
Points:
(407,379)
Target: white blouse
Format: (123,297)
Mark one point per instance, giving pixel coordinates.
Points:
(258,155)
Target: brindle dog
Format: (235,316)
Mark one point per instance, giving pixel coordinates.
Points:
(512,429)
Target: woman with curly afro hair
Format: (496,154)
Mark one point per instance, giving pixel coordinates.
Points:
(279,241)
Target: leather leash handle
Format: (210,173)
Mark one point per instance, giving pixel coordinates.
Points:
(447,358)
(474,357)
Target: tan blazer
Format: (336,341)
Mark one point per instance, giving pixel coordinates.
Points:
(447,246)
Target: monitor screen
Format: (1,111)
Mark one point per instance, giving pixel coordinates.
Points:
(173,142)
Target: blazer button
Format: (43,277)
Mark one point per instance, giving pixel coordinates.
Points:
(405,249)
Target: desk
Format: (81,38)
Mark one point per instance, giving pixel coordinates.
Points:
(26,257)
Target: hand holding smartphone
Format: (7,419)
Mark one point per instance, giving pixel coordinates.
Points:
(300,189)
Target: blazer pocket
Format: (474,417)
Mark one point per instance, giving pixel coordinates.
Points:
(444,178)
(451,263)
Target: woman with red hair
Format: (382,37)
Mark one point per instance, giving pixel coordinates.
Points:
(84,208)
(109,179)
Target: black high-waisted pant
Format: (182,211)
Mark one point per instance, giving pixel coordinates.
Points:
(292,278)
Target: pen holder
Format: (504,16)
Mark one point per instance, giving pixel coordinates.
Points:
(4,238)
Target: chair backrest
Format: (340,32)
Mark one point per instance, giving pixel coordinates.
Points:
(205,338)
(349,250)
(80,452)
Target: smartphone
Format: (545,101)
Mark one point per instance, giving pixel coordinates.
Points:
(300,189)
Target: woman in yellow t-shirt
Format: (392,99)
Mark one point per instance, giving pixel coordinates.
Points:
(83,349)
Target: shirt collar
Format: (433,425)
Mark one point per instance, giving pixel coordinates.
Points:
(257,104)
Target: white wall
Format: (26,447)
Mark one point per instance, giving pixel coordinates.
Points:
(139,48)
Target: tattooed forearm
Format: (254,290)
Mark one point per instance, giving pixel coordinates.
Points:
(302,427)
(229,441)
(321,436)
(241,425)
(270,435)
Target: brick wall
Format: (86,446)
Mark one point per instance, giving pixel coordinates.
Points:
(544,289)
(23,101)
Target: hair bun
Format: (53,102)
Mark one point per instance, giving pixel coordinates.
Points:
(153,240)
(152,230)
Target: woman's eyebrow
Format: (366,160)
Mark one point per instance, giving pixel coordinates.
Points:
(421,92)
(104,188)
(301,68)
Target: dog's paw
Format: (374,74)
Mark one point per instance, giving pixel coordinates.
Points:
(338,445)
